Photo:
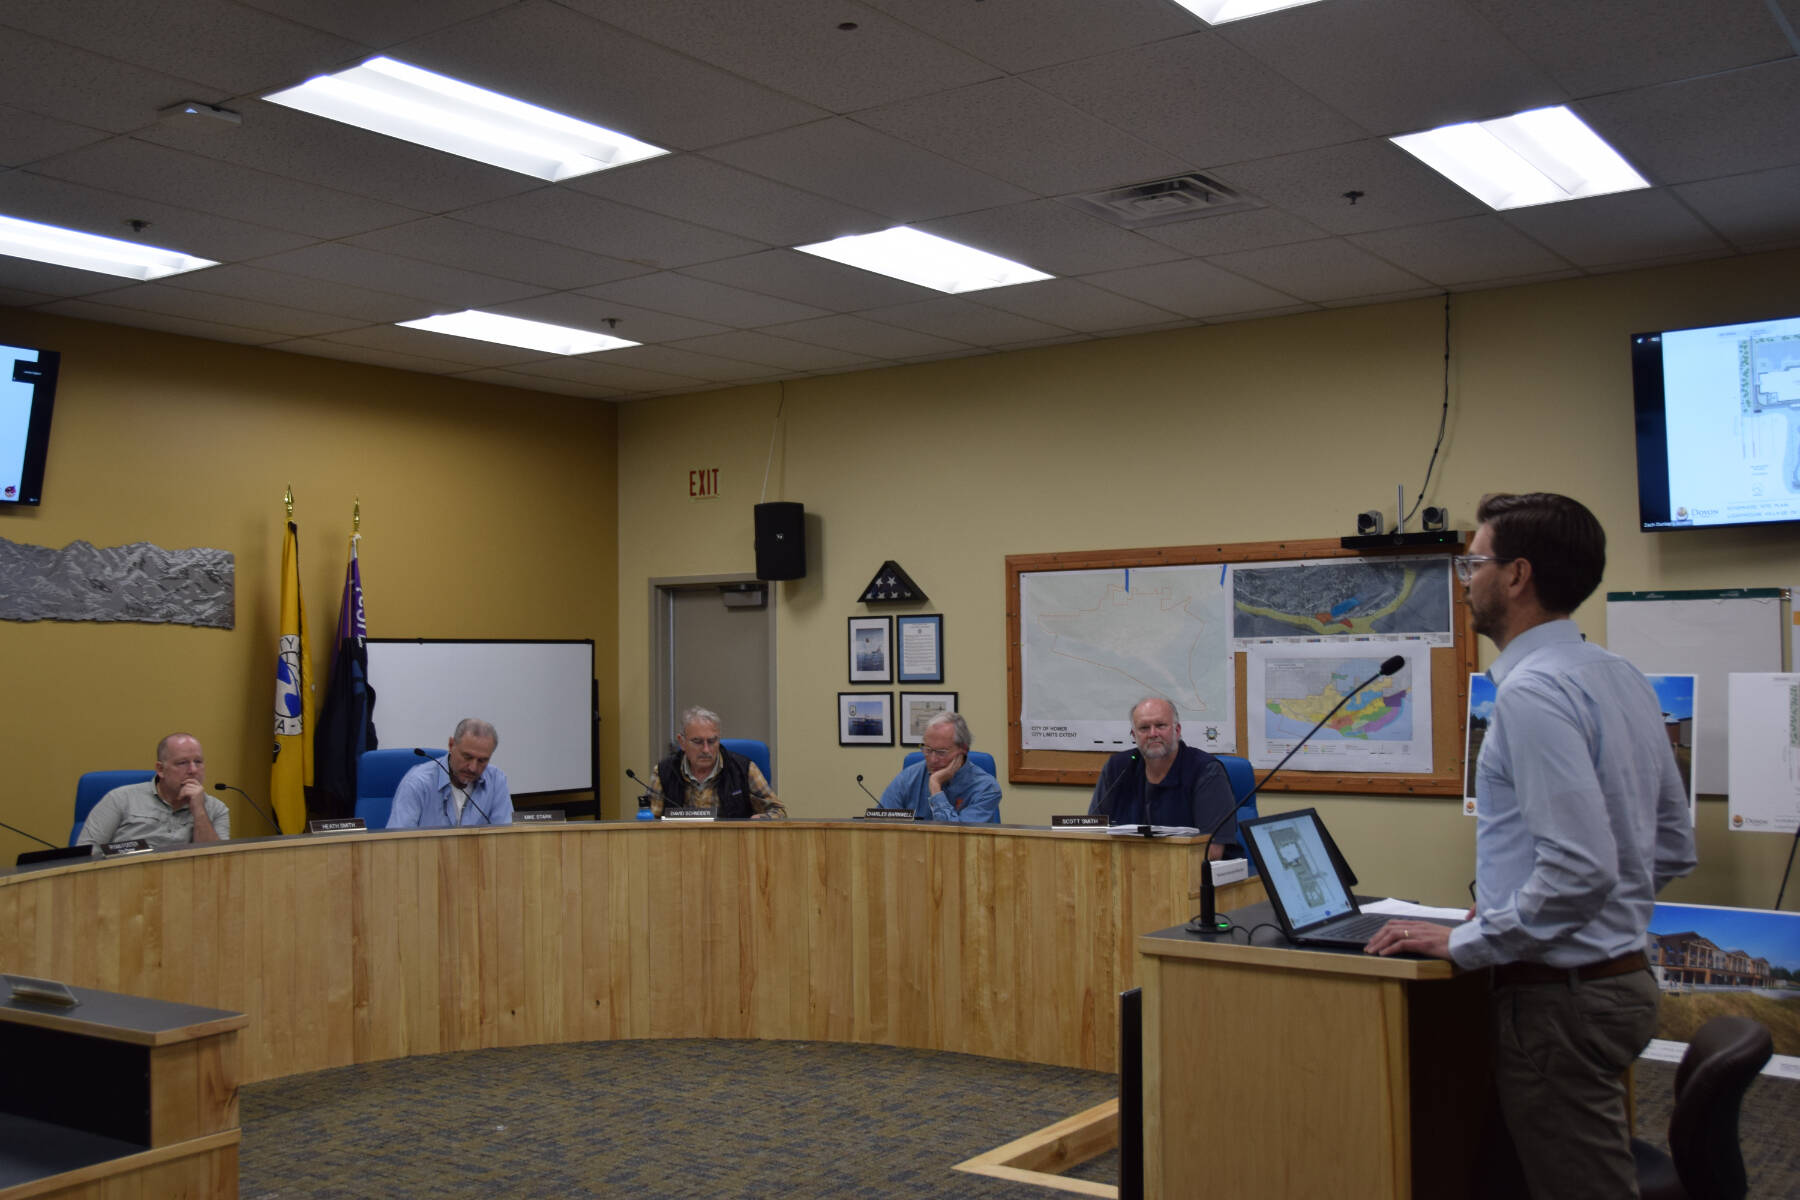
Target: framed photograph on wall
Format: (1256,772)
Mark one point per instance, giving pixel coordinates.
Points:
(916,711)
(871,650)
(920,648)
(865,718)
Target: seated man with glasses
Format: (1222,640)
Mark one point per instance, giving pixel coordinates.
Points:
(700,773)
(946,786)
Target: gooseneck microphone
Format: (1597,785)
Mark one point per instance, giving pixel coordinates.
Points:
(34,837)
(1130,769)
(269,817)
(644,788)
(1208,920)
(432,758)
(866,791)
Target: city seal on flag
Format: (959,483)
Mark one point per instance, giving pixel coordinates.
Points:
(288,716)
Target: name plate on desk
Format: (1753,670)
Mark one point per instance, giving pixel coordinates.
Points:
(1229,870)
(889,814)
(40,991)
(342,825)
(540,816)
(134,846)
(1081,822)
(687,814)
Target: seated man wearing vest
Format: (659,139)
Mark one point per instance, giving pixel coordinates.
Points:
(703,774)
(946,786)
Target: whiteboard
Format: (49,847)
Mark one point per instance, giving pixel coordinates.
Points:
(1709,634)
(538,695)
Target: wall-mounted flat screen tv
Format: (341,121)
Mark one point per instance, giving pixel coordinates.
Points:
(27,394)
(1718,424)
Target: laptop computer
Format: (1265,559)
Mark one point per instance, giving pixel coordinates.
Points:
(1308,884)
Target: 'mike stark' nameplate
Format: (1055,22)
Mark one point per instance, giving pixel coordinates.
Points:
(889,814)
(344,825)
(1081,822)
(540,816)
(134,846)
(687,814)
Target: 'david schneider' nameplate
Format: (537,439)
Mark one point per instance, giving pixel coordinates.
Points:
(1081,822)
(134,846)
(687,814)
(540,816)
(345,825)
(889,814)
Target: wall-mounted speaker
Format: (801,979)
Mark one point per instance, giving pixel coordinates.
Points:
(781,540)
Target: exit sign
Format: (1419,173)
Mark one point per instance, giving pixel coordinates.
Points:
(703,483)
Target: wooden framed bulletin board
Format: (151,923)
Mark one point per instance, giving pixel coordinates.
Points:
(1332,615)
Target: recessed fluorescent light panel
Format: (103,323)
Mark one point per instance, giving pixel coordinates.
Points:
(1217,12)
(402,101)
(924,259)
(512,331)
(90,252)
(1539,157)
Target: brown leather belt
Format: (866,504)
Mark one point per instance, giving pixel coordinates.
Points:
(1513,974)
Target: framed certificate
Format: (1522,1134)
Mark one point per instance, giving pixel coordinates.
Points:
(919,648)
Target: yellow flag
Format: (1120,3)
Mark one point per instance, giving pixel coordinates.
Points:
(293,770)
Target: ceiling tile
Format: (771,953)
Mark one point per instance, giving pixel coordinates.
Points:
(1226,232)
(209,186)
(297,291)
(1002,126)
(867,169)
(800,47)
(224,310)
(443,288)
(585,312)
(14,297)
(1072,304)
(859,336)
(1053,237)
(1317,271)
(809,279)
(440,347)
(1191,288)
(1198,97)
(223,45)
(1719,125)
(545,54)
(1610,45)
(1459,251)
(25,275)
(708,193)
(668,291)
(688,363)
(26,137)
(633,235)
(33,197)
(966,320)
(1755,211)
(598,370)
(370,356)
(88,89)
(112,314)
(1397,66)
(1397,189)
(493,252)
(1630,227)
(1018,35)
(378,25)
(542,383)
(777,352)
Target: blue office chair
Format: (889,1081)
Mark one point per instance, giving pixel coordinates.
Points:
(378,775)
(1243,779)
(95,784)
(757,752)
(980,758)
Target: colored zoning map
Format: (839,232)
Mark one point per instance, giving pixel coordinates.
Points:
(1769,371)
(1384,727)
(1297,697)
(1343,597)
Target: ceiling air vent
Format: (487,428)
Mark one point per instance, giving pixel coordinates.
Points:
(1161,201)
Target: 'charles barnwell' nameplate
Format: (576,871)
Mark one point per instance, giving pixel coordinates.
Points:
(134,846)
(687,814)
(540,816)
(343,825)
(1081,822)
(889,814)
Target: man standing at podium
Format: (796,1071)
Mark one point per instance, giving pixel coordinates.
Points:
(1165,781)
(1582,818)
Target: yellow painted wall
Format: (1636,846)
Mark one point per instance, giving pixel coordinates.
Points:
(487,512)
(1283,428)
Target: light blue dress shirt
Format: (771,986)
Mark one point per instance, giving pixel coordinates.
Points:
(978,791)
(423,800)
(1582,817)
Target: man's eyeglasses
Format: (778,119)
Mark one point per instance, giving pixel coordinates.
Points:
(1467,564)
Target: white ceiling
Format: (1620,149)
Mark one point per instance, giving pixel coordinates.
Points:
(974,119)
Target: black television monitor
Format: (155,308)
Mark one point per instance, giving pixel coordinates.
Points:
(1718,424)
(27,395)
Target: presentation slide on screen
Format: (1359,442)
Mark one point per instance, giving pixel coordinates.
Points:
(1300,869)
(15,419)
(1732,396)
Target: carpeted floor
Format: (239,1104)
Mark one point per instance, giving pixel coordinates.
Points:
(731,1119)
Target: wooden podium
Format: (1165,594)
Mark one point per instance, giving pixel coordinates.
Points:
(1276,1072)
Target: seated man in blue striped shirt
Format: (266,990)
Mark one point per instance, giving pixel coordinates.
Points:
(946,786)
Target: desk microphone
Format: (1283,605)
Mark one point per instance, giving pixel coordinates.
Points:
(226,787)
(643,788)
(432,758)
(866,791)
(1208,921)
(1130,766)
(40,841)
